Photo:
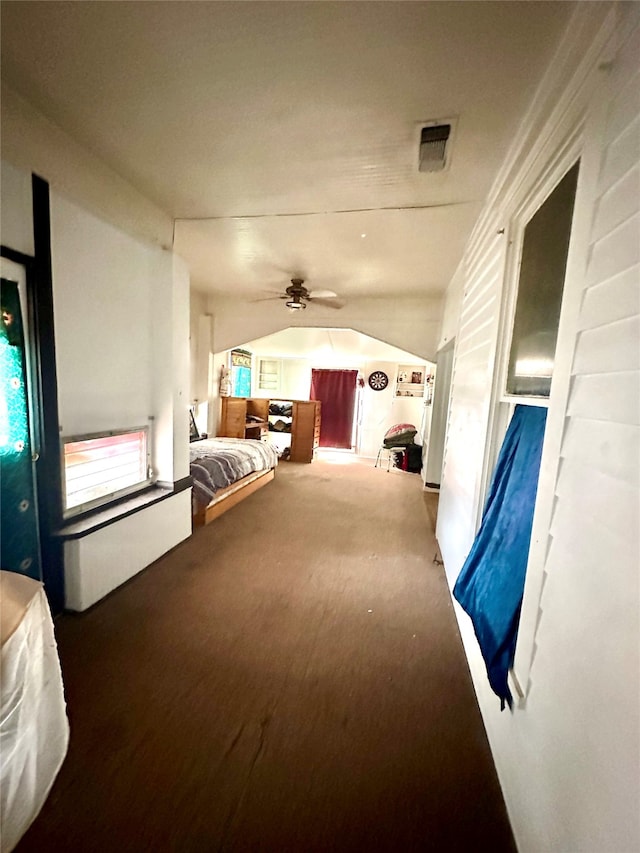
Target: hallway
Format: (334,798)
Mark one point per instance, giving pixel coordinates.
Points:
(289,679)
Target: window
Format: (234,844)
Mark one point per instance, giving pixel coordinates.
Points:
(101,467)
(268,374)
(240,373)
(543,265)
(538,261)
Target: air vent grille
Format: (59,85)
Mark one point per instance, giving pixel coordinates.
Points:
(434,142)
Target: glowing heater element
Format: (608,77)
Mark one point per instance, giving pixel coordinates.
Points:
(99,467)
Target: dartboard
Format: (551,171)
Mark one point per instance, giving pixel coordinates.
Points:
(378,380)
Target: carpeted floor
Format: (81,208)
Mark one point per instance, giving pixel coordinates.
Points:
(289,679)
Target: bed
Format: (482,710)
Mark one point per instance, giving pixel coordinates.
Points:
(225,471)
(34,730)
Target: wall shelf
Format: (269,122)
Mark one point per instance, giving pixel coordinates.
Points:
(269,370)
(411,380)
(409,389)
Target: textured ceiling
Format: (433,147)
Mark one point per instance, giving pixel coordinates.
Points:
(277,134)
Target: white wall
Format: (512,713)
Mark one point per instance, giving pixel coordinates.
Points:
(198,360)
(113,273)
(16,213)
(568,757)
(102,292)
(296,378)
(31,143)
(169,373)
(202,378)
(439,416)
(121,313)
(219,361)
(409,324)
(382,409)
(451,309)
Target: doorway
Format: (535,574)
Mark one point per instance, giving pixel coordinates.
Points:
(336,390)
(440,416)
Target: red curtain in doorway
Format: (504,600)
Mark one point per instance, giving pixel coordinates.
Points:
(336,389)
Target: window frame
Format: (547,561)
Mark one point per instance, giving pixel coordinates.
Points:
(114,496)
(569,149)
(520,283)
(533,201)
(501,404)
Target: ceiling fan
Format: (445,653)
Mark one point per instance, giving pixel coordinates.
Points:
(297,296)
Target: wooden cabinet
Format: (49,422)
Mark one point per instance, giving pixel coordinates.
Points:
(244,417)
(247,417)
(305,429)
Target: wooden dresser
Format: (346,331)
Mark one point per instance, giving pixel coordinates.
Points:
(244,417)
(305,429)
(248,417)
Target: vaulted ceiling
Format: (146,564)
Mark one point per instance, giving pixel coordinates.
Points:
(282,137)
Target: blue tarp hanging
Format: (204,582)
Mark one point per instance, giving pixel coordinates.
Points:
(491,583)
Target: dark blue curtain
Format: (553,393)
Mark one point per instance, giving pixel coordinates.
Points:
(491,584)
(19,541)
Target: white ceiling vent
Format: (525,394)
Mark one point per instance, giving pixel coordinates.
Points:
(435,146)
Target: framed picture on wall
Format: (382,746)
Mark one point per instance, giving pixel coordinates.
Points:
(416,377)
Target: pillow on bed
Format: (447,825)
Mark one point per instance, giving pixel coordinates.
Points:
(399,434)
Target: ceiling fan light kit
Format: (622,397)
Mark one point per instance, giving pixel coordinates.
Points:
(297,296)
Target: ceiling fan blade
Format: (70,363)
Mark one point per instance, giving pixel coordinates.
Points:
(268,298)
(322,294)
(327,303)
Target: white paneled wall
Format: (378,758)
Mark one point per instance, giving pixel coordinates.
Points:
(569,757)
(470,397)
(590,599)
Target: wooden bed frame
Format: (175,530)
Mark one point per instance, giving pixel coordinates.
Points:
(230,496)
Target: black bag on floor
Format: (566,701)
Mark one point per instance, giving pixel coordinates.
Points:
(414,458)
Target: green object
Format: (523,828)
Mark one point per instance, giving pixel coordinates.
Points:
(19,538)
